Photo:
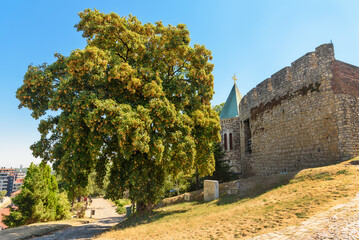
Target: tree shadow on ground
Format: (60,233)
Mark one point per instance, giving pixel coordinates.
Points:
(84,231)
(30,231)
(146,218)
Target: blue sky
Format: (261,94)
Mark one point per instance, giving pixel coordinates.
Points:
(252,39)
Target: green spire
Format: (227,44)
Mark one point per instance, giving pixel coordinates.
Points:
(230,108)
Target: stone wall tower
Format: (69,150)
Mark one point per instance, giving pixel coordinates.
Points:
(230,138)
(305,115)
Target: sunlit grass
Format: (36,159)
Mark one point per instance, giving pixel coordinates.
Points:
(309,192)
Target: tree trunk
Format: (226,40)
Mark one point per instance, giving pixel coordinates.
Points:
(142,207)
(197,182)
(197,179)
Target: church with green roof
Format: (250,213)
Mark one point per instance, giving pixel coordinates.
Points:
(229,119)
(303,116)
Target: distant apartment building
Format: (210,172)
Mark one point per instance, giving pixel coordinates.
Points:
(10,180)
(17,184)
(8,170)
(10,184)
(3,181)
(20,175)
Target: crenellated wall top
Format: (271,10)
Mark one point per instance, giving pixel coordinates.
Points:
(306,70)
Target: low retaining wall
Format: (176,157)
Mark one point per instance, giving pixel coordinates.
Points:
(242,187)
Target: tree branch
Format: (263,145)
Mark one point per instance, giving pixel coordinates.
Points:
(127,47)
(124,59)
(180,68)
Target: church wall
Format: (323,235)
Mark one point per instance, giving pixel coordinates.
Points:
(289,121)
(232,157)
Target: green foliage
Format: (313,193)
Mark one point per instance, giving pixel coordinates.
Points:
(93,187)
(2,194)
(314,176)
(62,207)
(74,191)
(79,209)
(120,205)
(191,182)
(222,172)
(176,185)
(15,219)
(136,98)
(218,108)
(39,199)
(345,172)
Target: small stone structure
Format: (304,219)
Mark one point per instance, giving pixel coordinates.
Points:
(187,197)
(305,115)
(211,190)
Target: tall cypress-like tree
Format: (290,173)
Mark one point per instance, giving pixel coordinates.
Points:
(39,199)
(137,97)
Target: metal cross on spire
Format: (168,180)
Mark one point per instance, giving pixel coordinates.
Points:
(234,78)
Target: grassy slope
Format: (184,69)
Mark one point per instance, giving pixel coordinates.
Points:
(309,192)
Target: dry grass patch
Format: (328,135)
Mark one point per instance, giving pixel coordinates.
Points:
(311,191)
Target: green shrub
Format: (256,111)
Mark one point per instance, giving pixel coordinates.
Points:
(345,172)
(79,209)
(63,207)
(39,199)
(120,205)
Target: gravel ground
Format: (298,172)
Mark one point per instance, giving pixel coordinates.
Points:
(106,216)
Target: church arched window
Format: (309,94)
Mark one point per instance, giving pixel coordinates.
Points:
(225,141)
(230,142)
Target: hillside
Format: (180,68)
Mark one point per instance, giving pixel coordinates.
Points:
(311,191)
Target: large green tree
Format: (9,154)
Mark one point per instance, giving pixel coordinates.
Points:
(39,199)
(136,97)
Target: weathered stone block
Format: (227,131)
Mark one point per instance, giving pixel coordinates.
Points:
(211,190)
(187,197)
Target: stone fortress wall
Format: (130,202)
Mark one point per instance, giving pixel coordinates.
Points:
(305,115)
(345,84)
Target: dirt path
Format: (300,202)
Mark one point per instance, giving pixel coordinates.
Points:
(106,217)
